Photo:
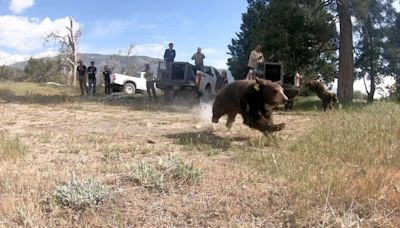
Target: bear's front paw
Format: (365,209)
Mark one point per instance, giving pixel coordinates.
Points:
(280,127)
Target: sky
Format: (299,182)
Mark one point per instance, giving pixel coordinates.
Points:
(111,26)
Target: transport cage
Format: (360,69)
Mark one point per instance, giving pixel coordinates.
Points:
(273,71)
(178,72)
(163,71)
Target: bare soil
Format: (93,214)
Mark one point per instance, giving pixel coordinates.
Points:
(68,139)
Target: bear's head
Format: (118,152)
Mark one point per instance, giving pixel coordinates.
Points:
(271,92)
(334,101)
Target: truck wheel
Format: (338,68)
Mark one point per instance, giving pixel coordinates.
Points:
(129,88)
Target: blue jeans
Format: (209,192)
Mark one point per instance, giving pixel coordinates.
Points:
(92,86)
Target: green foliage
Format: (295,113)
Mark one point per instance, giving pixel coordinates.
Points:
(301,35)
(11,73)
(80,194)
(166,174)
(41,70)
(182,172)
(373,52)
(147,176)
(393,50)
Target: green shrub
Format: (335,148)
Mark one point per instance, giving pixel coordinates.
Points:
(166,174)
(80,194)
(182,172)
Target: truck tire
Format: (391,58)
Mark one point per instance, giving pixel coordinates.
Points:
(129,88)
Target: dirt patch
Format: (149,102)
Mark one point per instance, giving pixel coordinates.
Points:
(102,141)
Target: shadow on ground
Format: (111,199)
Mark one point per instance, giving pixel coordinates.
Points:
(137,102)
(202,139)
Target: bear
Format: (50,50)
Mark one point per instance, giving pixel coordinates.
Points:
(254,100)
(328,99)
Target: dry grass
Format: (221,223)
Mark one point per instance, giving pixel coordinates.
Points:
(344,172)
(166,166)
(11,148)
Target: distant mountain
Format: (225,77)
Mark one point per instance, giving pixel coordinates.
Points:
(118,63)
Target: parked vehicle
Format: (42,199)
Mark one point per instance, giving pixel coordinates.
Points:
(129,84)
(181,77)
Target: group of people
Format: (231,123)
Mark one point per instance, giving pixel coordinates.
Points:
(198,57)
(90,73)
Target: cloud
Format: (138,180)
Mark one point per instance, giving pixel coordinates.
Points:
(25,34)
(8,59)
(19,6)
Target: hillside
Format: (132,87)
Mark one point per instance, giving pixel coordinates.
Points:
(118,63)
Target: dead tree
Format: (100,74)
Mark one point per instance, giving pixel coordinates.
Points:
(68,48)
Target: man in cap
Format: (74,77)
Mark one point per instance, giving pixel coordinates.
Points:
(81,71)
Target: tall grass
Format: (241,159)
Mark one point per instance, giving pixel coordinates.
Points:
(11,148)
(351,157)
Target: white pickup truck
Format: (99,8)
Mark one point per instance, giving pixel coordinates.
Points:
(180,77)
(129,84)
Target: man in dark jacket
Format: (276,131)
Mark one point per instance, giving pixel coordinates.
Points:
(81,71)
(169,54)
(107,79)
(92,78)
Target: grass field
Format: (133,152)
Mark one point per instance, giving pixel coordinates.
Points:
(67,160)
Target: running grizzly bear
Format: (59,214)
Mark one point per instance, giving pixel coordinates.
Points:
(328,99)
(254,100)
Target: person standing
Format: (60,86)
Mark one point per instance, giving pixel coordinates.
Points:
(198,58)
(107,79)
(169,54)
(81,71)
(256,58)
(150,80)
(91,70)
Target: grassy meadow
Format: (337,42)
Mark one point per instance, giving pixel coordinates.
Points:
(67,160)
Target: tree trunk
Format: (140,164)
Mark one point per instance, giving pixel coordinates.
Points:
(346,61)
(72,43)
(372,88)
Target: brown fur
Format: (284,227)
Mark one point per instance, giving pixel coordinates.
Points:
(254,100)
(328,99)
